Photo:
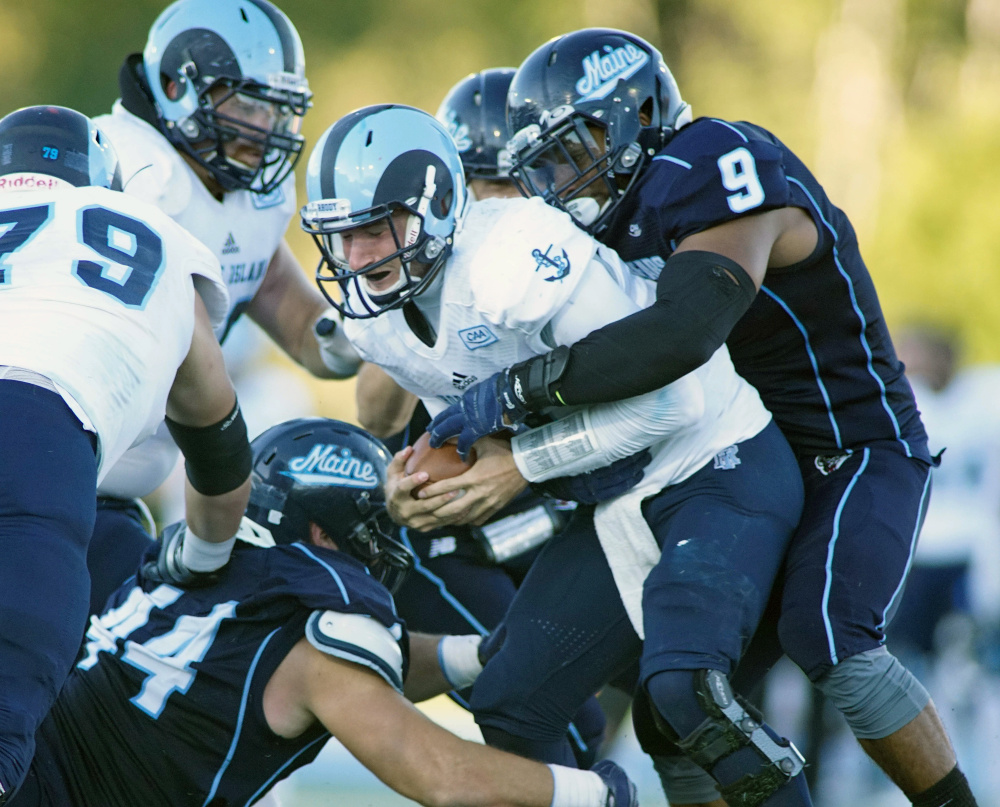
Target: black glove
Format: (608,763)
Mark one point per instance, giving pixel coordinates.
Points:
(169,568)
(600,484)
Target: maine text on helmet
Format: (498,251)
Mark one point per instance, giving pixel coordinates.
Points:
(602,71)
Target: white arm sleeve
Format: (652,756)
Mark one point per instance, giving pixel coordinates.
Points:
(595,436)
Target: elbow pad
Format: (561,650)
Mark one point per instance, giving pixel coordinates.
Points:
(700,296)
(217,458)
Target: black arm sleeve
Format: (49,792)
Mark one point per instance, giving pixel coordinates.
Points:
(217,458)
(700,296)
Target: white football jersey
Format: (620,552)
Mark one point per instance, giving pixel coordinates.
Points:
(244,230)
(516,265)
(97,294)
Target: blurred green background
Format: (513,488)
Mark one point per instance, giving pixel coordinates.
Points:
(895,104)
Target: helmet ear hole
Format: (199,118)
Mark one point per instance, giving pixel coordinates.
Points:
(646,112)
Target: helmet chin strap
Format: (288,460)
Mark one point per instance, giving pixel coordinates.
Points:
(413,224)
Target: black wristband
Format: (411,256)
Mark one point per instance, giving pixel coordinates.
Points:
(217,458)
(536,381)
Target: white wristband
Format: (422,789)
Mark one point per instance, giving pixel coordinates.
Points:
(458,657)
(200,555)
(576,788)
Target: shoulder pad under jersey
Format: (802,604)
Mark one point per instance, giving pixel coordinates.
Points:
(528,262)
(358,638)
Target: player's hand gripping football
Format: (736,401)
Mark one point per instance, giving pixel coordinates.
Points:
(486,408)
(470,497)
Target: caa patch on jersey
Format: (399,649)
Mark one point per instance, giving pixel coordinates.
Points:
(360,639)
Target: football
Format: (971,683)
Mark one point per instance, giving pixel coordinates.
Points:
(439,463)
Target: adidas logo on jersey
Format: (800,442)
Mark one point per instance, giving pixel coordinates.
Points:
(462,381)
(230,247)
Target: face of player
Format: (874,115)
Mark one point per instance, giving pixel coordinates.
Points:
(367,245)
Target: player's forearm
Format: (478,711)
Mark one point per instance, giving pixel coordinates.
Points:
(384,407)
(603,433)
(700,297)
(215,518)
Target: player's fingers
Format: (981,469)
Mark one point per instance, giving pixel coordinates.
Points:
(445,426)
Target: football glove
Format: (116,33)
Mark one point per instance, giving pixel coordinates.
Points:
(486,408)
(169,568)
(621,789)
(600,484)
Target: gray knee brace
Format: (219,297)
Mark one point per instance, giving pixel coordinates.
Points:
(876,694)
(732,723)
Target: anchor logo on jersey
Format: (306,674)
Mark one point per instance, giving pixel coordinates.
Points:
(558,262)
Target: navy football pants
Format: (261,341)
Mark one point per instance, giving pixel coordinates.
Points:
(48,479)
(723,532)
(454,589)
(116,548)
(847,563)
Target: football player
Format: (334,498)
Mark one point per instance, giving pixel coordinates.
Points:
(749,251)
(429,300)
(211,696)
(106,317)
(465,576)
(207,129)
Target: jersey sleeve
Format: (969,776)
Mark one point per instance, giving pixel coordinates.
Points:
(359,639)
(715,173)
(528,265)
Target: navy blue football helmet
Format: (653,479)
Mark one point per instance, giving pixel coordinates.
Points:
(237,70)
(58,142)
(333,474)
(372,163)
(474,113)
(587,111)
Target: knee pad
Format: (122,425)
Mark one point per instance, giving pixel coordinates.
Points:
(729,724)
(876,694)
(684,782)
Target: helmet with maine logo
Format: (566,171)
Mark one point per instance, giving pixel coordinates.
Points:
(332,474)
(474,113)
(587,111)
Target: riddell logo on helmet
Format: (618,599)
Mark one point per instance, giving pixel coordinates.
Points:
(330,463)
(29,181)
(603,71)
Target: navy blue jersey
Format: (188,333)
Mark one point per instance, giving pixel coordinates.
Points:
(814,343)
(164,706)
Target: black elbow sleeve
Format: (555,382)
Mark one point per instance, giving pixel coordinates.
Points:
(700,296)
(217,458)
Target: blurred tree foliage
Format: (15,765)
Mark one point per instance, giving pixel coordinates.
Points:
(893,103)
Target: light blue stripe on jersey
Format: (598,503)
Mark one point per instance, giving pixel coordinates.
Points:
(857,310)
(812,361)
(829,556)
(667,158)
(730,126)
(891,607)
(277,774)
(239,721)
(441,586)
(329,568)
